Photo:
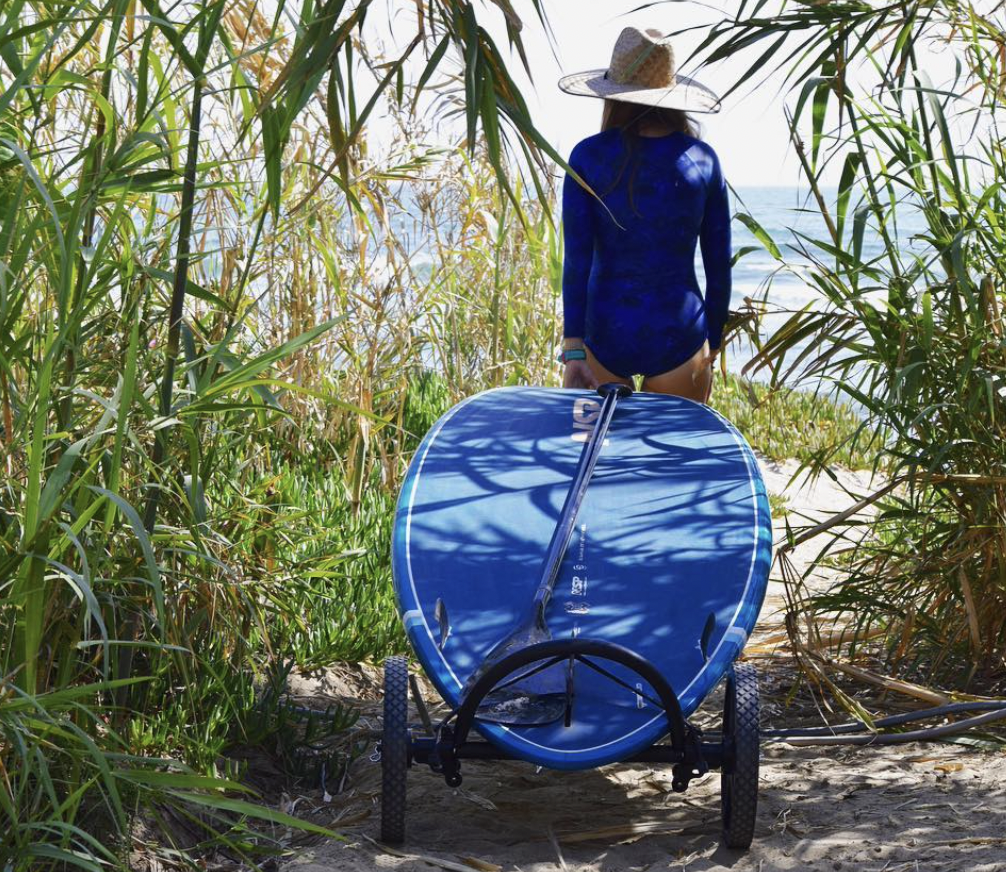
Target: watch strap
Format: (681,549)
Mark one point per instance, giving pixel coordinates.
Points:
(569,354)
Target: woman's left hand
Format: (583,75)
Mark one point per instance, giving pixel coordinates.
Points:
(578,374)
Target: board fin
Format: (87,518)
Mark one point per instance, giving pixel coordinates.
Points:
(440,613)
(707,634)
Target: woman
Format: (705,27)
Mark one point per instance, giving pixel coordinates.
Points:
(631,301)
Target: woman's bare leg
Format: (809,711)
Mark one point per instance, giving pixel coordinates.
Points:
(602,374)
(693,379)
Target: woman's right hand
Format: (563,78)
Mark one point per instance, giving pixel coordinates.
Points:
(578,374)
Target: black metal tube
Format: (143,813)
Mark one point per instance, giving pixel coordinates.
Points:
(499,670)
(712,753)
(924,735)
(891,721)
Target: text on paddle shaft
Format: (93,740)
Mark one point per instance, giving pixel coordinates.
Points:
(585,414)
(578,584)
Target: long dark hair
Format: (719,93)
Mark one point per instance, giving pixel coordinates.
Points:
(629,117)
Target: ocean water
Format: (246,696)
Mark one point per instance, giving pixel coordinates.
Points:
(791,219)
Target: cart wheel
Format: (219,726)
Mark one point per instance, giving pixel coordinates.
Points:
(739,781)
(394,750)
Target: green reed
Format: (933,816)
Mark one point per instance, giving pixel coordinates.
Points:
(190,315)
(914,337)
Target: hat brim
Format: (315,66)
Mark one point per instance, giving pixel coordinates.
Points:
(686,94)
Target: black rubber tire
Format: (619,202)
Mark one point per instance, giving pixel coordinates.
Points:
(739,779)
(394,750)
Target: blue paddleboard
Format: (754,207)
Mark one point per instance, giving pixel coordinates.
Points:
(675,528)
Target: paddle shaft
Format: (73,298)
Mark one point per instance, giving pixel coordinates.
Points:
(532,628)
(574,498)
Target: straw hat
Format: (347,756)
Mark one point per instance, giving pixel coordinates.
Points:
(642,70)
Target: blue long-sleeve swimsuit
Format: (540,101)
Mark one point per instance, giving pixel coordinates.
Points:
(629,287)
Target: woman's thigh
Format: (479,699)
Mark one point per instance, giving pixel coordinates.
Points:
(602,373)
(693,379)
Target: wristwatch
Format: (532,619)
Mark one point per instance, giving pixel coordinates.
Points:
(569,354)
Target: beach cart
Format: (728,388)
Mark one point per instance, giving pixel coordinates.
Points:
(576,573)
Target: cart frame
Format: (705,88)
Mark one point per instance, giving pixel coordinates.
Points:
(734,751)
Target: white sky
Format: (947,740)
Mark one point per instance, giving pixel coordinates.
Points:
(749,134)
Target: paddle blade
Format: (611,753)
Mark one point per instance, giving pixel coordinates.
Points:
(534,697)
(513,707)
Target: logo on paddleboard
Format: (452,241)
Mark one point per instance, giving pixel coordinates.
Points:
(585,414)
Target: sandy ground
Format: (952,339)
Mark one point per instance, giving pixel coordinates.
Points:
(915,807)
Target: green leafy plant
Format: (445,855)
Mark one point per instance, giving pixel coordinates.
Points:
(190,318)
(913,336)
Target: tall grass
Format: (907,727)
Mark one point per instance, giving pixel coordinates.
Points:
(915,336)
(201,297)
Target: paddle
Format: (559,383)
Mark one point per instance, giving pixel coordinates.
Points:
(510,704)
